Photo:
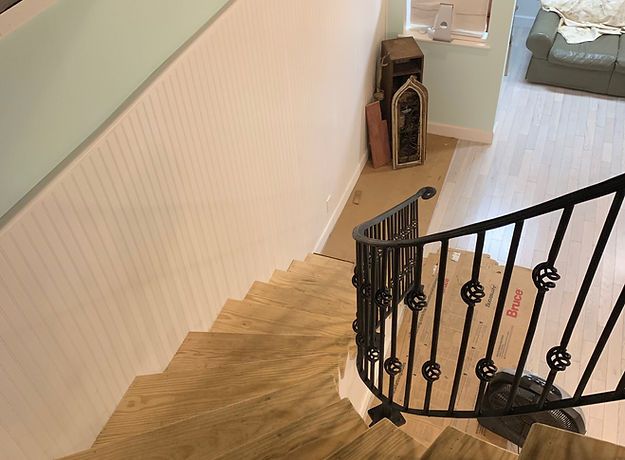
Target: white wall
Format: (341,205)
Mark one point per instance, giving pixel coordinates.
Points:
(463,82)
(215,175)
(527,8)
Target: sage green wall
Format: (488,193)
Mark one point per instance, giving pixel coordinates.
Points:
(67,70)
(463,82)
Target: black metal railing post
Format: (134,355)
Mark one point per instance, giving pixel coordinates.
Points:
(472,293)
(486,368)
(389,270)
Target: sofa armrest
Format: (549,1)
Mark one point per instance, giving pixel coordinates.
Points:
(543,33)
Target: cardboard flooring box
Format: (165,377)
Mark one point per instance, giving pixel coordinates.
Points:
(517,312)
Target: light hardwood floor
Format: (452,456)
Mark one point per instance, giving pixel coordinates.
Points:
(549,141)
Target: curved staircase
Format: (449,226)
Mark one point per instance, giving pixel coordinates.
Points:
(263,383)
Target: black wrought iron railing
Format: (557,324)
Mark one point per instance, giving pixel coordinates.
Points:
(388,278)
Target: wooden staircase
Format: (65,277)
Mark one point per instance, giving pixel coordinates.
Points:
(263,383)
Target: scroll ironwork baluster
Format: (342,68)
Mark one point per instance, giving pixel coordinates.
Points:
(382,323)
(558,357)
(389,270)
(472,294)
(486,368)
(544,276)
(416,301)
(431,370)
(392,365)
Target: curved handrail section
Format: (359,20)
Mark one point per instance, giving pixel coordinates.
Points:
(388,277)
(574,198)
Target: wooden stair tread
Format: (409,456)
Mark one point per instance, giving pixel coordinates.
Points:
(316,300)
(384,440)
(254,318)
(321,271)
(153,401)
(211,434)
(322,287)
(324,261)
(453,443)
(555,444)
(312,437)
(340,278)
(207,350)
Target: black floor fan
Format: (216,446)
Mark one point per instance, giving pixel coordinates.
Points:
(515,428)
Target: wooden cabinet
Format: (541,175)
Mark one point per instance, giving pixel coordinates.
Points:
(401,58)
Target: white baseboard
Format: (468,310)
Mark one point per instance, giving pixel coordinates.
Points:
(460,132)
(321,242)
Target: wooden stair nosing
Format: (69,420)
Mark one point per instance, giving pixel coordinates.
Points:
(325,261)
(213,433)
(324,288)
(453,443)
(255,318)
(324,272)
(312,437)
(383,440)
(214,349)
(338,278)
(298,298)
(155,400)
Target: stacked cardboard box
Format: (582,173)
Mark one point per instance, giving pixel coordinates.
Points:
(517,311)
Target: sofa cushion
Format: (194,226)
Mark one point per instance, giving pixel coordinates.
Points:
(620,57)
(599,54)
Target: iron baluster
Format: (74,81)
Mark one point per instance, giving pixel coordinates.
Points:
(558,357)
(416,302)
(382,326)
(544,276)
(390,255)
(431,369)
(603,340)
(486,368)
(620,387)
(372,351)
(392,365)
(472,294)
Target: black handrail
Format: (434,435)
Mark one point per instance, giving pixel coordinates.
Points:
(574,198)
(388,271)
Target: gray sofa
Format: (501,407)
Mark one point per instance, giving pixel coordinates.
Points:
(597,66)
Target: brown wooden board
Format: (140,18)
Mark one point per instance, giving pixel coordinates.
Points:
(378,135)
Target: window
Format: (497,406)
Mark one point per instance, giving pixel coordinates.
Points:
(470,16)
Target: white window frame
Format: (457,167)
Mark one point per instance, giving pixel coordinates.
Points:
(462,38)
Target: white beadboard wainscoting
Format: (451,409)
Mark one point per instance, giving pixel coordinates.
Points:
(214,175)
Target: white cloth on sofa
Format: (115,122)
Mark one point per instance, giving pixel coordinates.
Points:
(586,20)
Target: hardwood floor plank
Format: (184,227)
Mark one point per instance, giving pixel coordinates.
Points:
(549,141)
